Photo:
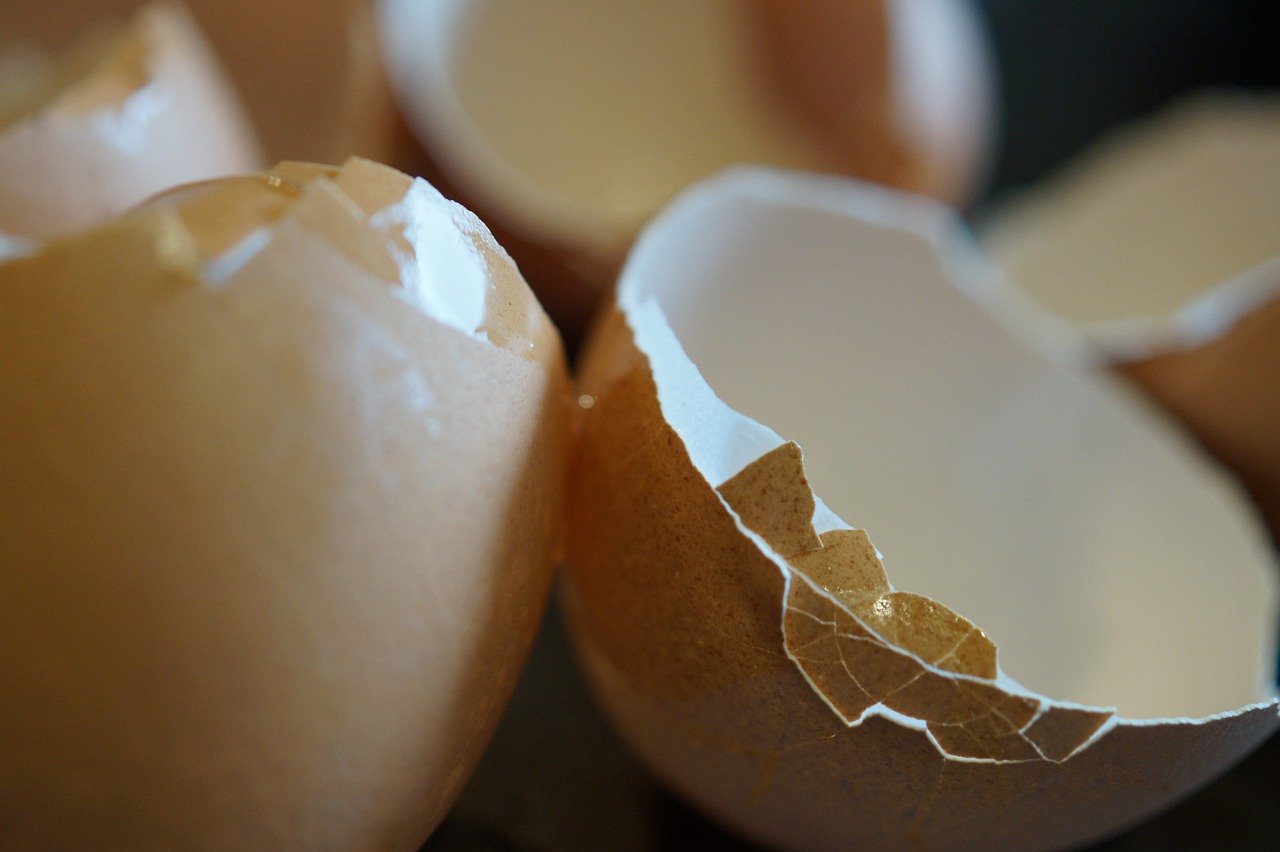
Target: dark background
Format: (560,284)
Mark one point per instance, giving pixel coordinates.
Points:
(557,778)
(1071,69)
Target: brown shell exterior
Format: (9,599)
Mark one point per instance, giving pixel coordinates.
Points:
(272,548)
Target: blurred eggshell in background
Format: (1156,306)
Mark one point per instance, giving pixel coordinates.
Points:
(281,478)
(568,124)
(752,647)
(117,120)
(290,60)
(1162,246)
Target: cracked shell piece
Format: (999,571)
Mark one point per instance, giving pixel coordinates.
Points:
(281,476)
(120,118)
(763,656)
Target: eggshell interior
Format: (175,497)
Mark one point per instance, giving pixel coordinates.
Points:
(278,518)
(820,704)
(573,122)
(114,120)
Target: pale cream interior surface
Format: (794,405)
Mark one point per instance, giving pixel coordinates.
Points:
(590,115)
(1112,564)
(1154,217)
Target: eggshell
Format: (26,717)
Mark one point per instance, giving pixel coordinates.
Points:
(568,124)
(290,60)
(281,473)
(140,112)
(750,644)
(1161,246)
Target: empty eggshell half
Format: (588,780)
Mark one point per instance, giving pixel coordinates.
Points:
(1151,220)
(300,65)
(112,121)
(569,124)
(755,646)
(1162,247)
(281,470)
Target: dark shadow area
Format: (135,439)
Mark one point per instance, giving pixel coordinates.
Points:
(1072,69)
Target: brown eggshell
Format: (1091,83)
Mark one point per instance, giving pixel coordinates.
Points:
(154,111)
(567,125)
(754,650)
(909,107)
(290,60)
(274,539)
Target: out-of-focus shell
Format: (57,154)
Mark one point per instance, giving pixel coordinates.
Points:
(751,646)
(568,124)
(113,122)
(281,474)
(291,60)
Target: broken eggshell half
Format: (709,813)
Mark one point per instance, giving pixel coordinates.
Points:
(121,115)
(281,479)
(1160,248)
(568,124)
(754,645)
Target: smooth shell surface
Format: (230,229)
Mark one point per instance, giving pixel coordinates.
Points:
(281,467)
(112,122)
(751,646)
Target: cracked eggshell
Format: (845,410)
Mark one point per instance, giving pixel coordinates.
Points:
(114,120)
(281,469)
(765,659)
(1161,248)
(568,124)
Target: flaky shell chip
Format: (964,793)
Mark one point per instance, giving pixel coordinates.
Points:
(760,653)
(1160,247)
(281,468)
(113,121)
